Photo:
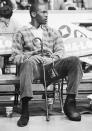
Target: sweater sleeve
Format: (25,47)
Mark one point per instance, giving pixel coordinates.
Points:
(58,47)
(17,48)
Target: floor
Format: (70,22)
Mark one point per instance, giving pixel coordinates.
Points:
(37,122)
(56,123)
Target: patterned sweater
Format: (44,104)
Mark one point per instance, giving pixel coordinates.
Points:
(25,45)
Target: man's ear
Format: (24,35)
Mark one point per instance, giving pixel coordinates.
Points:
(33,14)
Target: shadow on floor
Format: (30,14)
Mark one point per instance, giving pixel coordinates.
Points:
(38,109)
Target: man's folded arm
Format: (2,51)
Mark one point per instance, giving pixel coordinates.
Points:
(58,50)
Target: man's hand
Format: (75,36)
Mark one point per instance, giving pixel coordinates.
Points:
(47,61)
(19,59)
(46,52)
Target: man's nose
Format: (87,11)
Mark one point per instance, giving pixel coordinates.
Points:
(45,13)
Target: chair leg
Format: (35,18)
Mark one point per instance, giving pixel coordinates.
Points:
(16,94)
(54,90)
(46,98)
(60,86)
(47,106)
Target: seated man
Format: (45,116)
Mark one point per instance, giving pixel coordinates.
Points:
(27,53)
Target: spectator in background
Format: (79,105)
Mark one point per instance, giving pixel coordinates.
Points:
(23,5)
(7,25)
(61,5)
(69,5)
(56,4)
(6,2)
(11,3)
(14,4)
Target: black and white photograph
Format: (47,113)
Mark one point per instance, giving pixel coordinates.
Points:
(45,65)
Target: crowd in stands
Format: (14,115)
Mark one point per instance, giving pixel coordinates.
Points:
(16,4)
(52,4)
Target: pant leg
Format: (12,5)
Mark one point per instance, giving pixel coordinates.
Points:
(1,62)
(70,67)
(29,71)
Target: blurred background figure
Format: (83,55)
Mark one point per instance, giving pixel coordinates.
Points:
(6,2)
(23,4)
(70,5)
(88,4)
(55,4)
(11,3)
(14,4)
(8,26)
(66,4)
(34,1)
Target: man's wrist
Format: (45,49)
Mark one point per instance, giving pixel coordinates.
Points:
(55,57)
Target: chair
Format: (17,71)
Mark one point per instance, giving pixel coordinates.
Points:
(11,78)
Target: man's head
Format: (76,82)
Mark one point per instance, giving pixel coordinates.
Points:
(39,12)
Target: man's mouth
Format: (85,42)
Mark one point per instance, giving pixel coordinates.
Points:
(45,20)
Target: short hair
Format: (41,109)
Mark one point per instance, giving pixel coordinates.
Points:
(22,0)
(34,4)
(71,8)
(36,1)
(6,12)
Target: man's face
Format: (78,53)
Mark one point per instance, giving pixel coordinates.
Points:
(42,14)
